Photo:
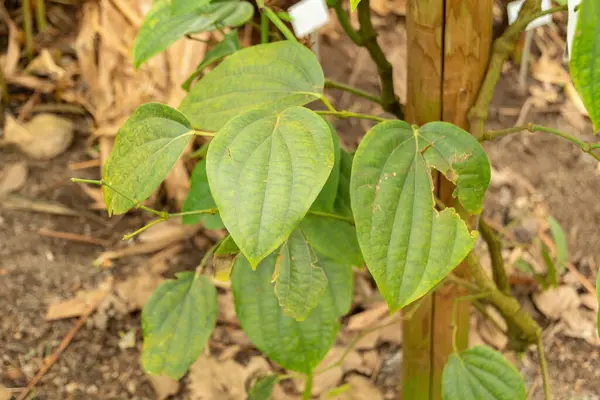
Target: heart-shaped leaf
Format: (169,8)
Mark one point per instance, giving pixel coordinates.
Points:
(300,282)
(161,28)
(585,68)
(481,373)
(147,147)
(265,170)
(229,45)
(200,198)
(177,322)
(298,346)
(270,76)
(409,246)
(340,285)
(263,388)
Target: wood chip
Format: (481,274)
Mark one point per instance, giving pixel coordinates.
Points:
(78,305)
(163,386)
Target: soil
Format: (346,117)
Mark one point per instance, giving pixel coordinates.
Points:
(36,270)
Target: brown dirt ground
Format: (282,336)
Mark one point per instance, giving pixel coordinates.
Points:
(36,270)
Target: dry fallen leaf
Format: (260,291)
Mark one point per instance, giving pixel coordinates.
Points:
(13,177)
(127,340)
(44,65)
(5,394)
(362,388)
(43,138)
(210,379)
(580,324)
(367,318)
(549,70)
(78,305)
(162,232)
(163,385)
(137,289)
(490,332)
(553,302)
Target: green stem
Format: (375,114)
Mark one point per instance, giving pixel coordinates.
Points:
(327,103)
(205,258)
(28,27)
(345,23)
(201,152)
(143,228)
(495,250)
(347,114)
(389,100)
(337,85)
(455,303)
(584,146)
(308,387)
(279,24)
(332,216)
(40,15)
(264,28)
(211,211)
(501,49)
(544,368)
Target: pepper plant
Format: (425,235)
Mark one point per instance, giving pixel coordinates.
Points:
(301,211)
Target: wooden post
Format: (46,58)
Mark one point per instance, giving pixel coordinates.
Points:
(448,50)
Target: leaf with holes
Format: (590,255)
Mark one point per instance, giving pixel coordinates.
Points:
(226,47)
(146,149)
(408,245)
(177,322)
(161,28)
(300,283)
(585,68)
(298,346)
(271,76)
(265,170)
(200,198)
(481,373)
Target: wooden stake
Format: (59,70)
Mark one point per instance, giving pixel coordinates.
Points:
(448,50)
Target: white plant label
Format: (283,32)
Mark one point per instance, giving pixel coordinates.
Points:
(308,16)
(572,24)
(514,7)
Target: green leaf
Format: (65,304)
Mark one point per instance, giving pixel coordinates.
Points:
(265,170)
(354,4)
(160,28)
(326,199)
(270,76)
(551,272)
(147,147)
(340,286)
(223,259)
(481,373)
(584,65)
(227,246)
(560,241)
(342,201)
(229,45)
(179,7)
(200,198)
(334,238)
(177,322)
(298,346)
(263,388)
(409,246)
(300,283)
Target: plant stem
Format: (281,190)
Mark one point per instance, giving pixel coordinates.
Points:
(544,368)
(495,250)
(337,85)
(345,23)
(205,258)
(279,24)
(28,27)
(389,101)
(308,387)
(584,146)
(40,15)
(332,216)
(143,228)
(264,28)
(347,114)
(502,48)
(211,211)
(455,302)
